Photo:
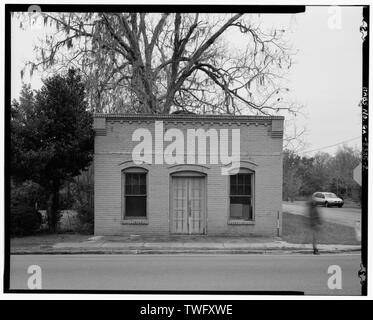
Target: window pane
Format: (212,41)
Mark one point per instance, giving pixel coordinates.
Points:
(142,179)
(135,206)
(129,183)
(240,178)
(135,183)
(248,187)
(143,189)
(240,184)
(240,208)
(128,189)
(240,189)
(136,189)
(233,189)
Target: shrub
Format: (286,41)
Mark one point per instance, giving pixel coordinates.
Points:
(24,216)
(24,220)
(66,201)
(28,192)
(82,189)
(85,217)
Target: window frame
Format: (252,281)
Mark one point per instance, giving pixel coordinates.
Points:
(125,172)
(251,173)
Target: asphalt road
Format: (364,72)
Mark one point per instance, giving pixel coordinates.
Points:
(307,273)
(344,216)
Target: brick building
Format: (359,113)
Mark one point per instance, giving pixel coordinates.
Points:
(186,197)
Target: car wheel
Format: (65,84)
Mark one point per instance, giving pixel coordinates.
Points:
(327,204)
(340,205)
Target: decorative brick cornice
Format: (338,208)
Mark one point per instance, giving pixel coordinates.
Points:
(184,117)
(273,123)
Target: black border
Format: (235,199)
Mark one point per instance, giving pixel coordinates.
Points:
(365,131)
(262,9)
(175,292)
(277,9)
(241,309)
(7,96)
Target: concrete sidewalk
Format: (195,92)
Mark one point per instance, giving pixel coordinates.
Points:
(177,244)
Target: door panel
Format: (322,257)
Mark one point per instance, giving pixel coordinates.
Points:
(180,205)
(195,198)
(188,205)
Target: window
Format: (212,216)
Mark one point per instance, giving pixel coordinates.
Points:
(330,195)
(241,202)
(135,193)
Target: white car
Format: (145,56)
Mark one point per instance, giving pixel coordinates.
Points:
(327,199)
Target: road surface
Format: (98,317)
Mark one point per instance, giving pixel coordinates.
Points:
(344,216)
(307,273)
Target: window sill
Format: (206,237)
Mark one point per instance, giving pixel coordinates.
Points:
(240,222)
(134,221)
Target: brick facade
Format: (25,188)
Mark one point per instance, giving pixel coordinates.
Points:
(261,152)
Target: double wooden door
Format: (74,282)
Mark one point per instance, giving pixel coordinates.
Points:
(188,205)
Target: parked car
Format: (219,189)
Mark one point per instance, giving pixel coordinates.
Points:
(327,199)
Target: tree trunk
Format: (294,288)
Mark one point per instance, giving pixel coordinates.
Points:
(53,208)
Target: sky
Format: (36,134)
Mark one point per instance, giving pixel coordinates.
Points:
(325,77)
